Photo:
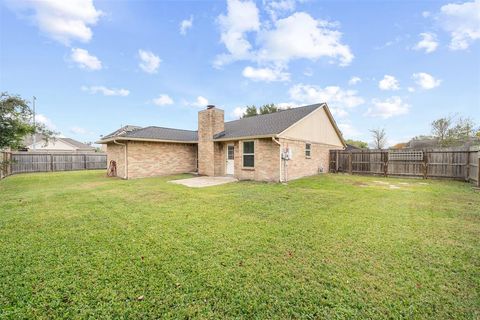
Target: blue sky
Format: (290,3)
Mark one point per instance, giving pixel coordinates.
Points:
(97,65)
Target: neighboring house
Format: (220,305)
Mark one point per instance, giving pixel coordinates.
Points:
(351,147)
(253,148)
(55,144)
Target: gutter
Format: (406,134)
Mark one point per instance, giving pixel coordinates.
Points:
(125,176)
(280,158)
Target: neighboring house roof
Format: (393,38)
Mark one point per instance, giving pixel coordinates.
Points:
(265,124)
(351,147)
(77,145)
(257,126)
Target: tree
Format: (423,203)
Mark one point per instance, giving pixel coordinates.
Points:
(268,108)
(357,143)
(250,111)
(379,138)
(400,145)
(441,127)
(464,128)
(16,122)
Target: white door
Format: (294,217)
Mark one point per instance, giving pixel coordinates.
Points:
(230,159)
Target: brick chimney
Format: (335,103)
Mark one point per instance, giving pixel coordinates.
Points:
(210,122)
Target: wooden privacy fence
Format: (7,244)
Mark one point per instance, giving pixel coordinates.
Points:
(459,165)
(23,162)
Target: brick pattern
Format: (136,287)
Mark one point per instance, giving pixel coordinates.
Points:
(148,159)
(210,122)
(301,166)
(117,153)
(267,161)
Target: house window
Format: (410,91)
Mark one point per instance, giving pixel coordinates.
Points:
(308,150)
(248,154)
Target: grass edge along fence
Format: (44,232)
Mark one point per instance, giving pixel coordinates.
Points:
(25,162)
(426,164)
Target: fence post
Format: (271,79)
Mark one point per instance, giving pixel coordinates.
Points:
(51,162)
(425,164)
(350,163)
(336,161)
(478,169)
(85,161)
(467,169)
(385,163)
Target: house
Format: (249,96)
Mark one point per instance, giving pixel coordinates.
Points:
(55,144)
(280,146)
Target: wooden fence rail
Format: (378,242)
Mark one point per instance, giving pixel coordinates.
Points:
(23,162)
(458,165)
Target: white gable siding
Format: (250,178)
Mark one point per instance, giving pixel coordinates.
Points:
(316,127)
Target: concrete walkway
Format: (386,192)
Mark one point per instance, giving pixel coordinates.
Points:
(201,182)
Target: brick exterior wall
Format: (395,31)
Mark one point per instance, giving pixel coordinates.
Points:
(210,122)
(149,159)
(267,162)
(117,153)
(301,166)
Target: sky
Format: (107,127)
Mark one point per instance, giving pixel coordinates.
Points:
(97,65)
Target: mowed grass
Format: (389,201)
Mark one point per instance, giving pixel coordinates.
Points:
(80,245)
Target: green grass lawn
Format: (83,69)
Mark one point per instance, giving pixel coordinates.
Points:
(80,245)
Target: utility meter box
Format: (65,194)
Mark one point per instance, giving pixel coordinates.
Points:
(287,154)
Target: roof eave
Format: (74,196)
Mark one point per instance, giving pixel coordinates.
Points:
(104,141)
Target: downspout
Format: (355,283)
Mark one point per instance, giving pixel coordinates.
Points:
(280,158)
(125,175)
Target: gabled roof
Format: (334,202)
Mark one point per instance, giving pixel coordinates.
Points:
(28,141)
(257,126)
(265,124)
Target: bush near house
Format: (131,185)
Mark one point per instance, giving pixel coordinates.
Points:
(79,245)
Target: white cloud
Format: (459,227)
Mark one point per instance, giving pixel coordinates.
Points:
(411,89)
(185,25)
(388,108)
(388,83)
(337,98)
(201,102)
(425,80)
(62,21)
(428,43)
(85,60)
(241,17)
(462,21)
(277,8)
(163,100)
(149,62)
(265,74)
(354,80)
(80,131)
(40,118)
(106,91)
(298,36)
(301,36)
(426,14)
(238,112)
(348,130)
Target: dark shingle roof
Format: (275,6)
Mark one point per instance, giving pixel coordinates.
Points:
(261,125)
(163,134)
(121,131)
(266,124)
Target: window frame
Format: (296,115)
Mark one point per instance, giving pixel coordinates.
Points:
(308,151)
(248,154)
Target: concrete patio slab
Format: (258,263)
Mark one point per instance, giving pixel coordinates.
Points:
(202,182)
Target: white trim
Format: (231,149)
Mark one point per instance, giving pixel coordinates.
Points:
(248,154)
(226,156)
